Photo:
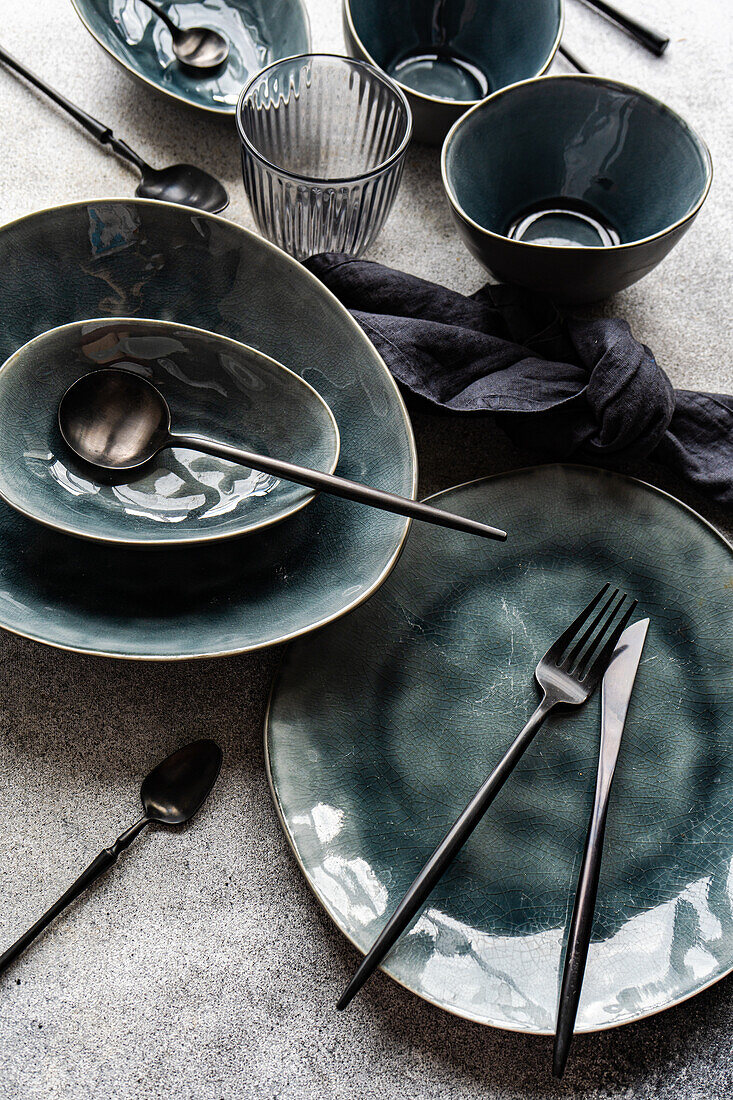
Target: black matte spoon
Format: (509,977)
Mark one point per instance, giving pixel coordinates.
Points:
(181,183)
(171,794)
(199,47)
(116,420)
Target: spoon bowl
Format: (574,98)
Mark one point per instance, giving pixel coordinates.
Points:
(200,47)
(197,47)
(184,184)
(114,419)
(177,787)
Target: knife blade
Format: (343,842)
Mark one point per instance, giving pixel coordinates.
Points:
(618,684)
(616,689)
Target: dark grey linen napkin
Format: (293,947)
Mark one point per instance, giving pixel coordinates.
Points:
(558,385)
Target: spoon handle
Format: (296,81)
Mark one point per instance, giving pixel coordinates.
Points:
(172,27)
(96,868)
(98,129)
(647,37)
(338,486)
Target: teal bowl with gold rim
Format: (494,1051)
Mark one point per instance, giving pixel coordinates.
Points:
(576,186)
(258,32)
(448,56)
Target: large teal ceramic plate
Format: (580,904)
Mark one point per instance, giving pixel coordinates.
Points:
(150,259)
(383,725)
(258,31)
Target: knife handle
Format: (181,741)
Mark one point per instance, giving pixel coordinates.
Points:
(581,926)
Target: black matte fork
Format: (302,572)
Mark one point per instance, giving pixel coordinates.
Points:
(567,674)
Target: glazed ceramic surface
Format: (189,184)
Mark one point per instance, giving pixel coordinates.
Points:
(258,32)
(382,727)
(448,55)
(214,387)
(122,258)
(595,183)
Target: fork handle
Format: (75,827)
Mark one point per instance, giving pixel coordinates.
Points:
(444,854)
(581,925)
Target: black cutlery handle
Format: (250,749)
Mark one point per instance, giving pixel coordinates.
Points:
(647,37)
(172,27)
(96,868)
(339,486)
(98,129)
(581,926)
(574,61)
(93,125)
(444,855)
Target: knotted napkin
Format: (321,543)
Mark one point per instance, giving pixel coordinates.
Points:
(558,385)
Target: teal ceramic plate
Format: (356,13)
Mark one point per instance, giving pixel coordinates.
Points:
(150,259)
(258,32)
(214,387)
(383,726)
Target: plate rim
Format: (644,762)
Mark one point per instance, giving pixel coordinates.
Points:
(193,540)
(226,110)
(454,1011)
(282,257)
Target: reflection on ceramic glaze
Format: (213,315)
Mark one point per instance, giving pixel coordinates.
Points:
(258,31)
(402,709)
(555,225)
(441,73)
(163,496)
(592,154)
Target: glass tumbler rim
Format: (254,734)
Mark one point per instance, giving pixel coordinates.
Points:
(383,79)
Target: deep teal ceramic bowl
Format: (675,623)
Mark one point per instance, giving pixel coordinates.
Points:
(214,387)
(135,257)
(258,32)
(573,185)
(448,56)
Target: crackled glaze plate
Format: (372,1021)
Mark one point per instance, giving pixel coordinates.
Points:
(214,387)
(382,726)
(258,32)
(123,258)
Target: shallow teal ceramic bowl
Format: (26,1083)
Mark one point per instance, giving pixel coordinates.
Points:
(258,32)
(383,726)
(573,185)
(128,257)
(448,56)
(214,387)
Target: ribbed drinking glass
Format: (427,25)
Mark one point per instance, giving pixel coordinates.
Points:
(323,147)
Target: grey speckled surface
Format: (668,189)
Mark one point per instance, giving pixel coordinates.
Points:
(201,967)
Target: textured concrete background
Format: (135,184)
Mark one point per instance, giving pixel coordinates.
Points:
(202,967)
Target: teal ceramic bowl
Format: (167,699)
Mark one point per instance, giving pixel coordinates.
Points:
(214,387)
(448,56)
(577,186)
(258,32)
(132,257)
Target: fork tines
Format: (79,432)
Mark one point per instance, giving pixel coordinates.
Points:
(584,651)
